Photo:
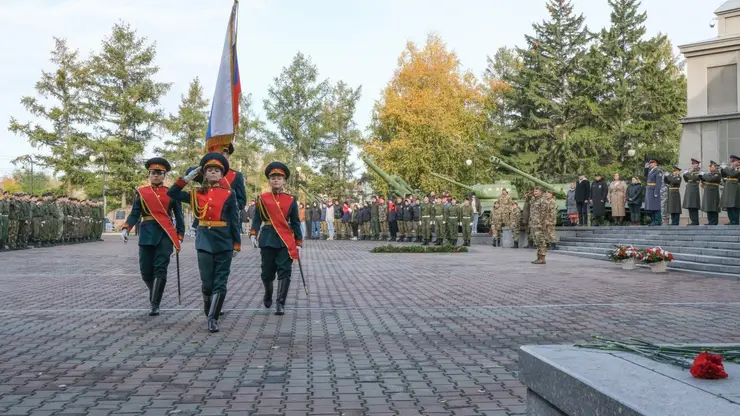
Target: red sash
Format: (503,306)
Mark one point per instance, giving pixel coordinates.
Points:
(228,179)
(156,204)
(273,205)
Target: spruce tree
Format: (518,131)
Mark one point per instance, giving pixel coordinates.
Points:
(544,101)
(126,97)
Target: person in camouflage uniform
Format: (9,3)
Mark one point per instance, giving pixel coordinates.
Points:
(502,219)
(515,217)
(375,218)
(383,219)
(25,231)
(552,237)
(59,218)
(494,219)
(538,219)
(36,218)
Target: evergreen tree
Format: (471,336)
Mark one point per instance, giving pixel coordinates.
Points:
(66,138)
(501,68)
(341,134)
(189,130)
(127,99)
(294,104)
(544,101)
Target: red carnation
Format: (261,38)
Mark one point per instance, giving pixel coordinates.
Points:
(708,366)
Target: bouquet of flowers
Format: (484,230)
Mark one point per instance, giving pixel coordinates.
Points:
(656,255)
(621,253)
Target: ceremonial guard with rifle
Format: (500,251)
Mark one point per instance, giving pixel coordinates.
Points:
(711,203)
(158,235)
(278,227)
(219,231)
(692,195)
(652,193)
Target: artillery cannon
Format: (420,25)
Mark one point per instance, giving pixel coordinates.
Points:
(559,190)
(487,194)
(396,184)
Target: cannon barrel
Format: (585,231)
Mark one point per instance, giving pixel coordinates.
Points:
(395,186)
(444,178)
(557,192)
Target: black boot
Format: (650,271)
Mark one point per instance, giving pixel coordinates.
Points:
(217,301)
(206,304)
(498,242)
(418,239)
(267,299)
(156,297)
(438,242)
(494,242)
(283,285)
(425,243)
(516,244)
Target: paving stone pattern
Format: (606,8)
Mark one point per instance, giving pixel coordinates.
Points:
(379,334)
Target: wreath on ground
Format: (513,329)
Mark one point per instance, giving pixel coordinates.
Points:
(419,249)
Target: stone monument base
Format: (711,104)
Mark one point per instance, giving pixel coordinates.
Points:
(568,381)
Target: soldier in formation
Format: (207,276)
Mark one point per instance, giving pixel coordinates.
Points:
(466,221)
(440,226)
(28,221)
(692,194)
(731,192)
(426,221)
(673,205)
(711,203)
(653,192)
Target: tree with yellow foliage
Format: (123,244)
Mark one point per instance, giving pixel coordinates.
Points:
(430,118)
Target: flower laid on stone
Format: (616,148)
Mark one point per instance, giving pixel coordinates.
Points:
(708,366)
(655,255)
(419,249)
(621,253)
(707,362)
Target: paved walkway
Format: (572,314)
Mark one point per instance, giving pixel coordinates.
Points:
(378,333)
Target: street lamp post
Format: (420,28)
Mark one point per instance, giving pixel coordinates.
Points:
(475,174)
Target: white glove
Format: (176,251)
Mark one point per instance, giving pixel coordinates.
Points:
(234,254)
(124,235)
(254,241)
(459,223)
(431,222)
(189,177)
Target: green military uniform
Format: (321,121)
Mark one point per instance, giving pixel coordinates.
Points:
(673,181)
(438,212)
(453,220)
(711,203)
(466,217)
(219,232)
(37,217)
(375,219)
(26,228)
(3,220)
(14,216)
(731,193)
(692,195)
(427,218)
(383,220)
(155,245)
(515,218)
(275,252)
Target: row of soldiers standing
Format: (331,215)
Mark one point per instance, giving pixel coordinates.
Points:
(433,219)
(711,202)
(27,220)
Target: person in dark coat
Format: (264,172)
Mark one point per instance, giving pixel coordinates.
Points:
(316,221)
(674,195)
(731,193)
(159,235)
(392,219)
(276,230)
(583,195)
(599,192)
(634,200)
(652,193)
(711,201)
(692,195)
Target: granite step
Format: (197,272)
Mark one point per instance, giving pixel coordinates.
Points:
(643,241)
(677,237)
(672,248)
(702,268)
(713,230)
(694,258)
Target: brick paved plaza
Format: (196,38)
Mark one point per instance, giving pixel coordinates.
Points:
(378,333)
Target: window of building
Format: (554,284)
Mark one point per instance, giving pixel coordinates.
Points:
(722,89)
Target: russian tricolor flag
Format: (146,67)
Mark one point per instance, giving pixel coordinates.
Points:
(224,118)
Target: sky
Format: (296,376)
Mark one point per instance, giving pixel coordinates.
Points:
(356,41)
